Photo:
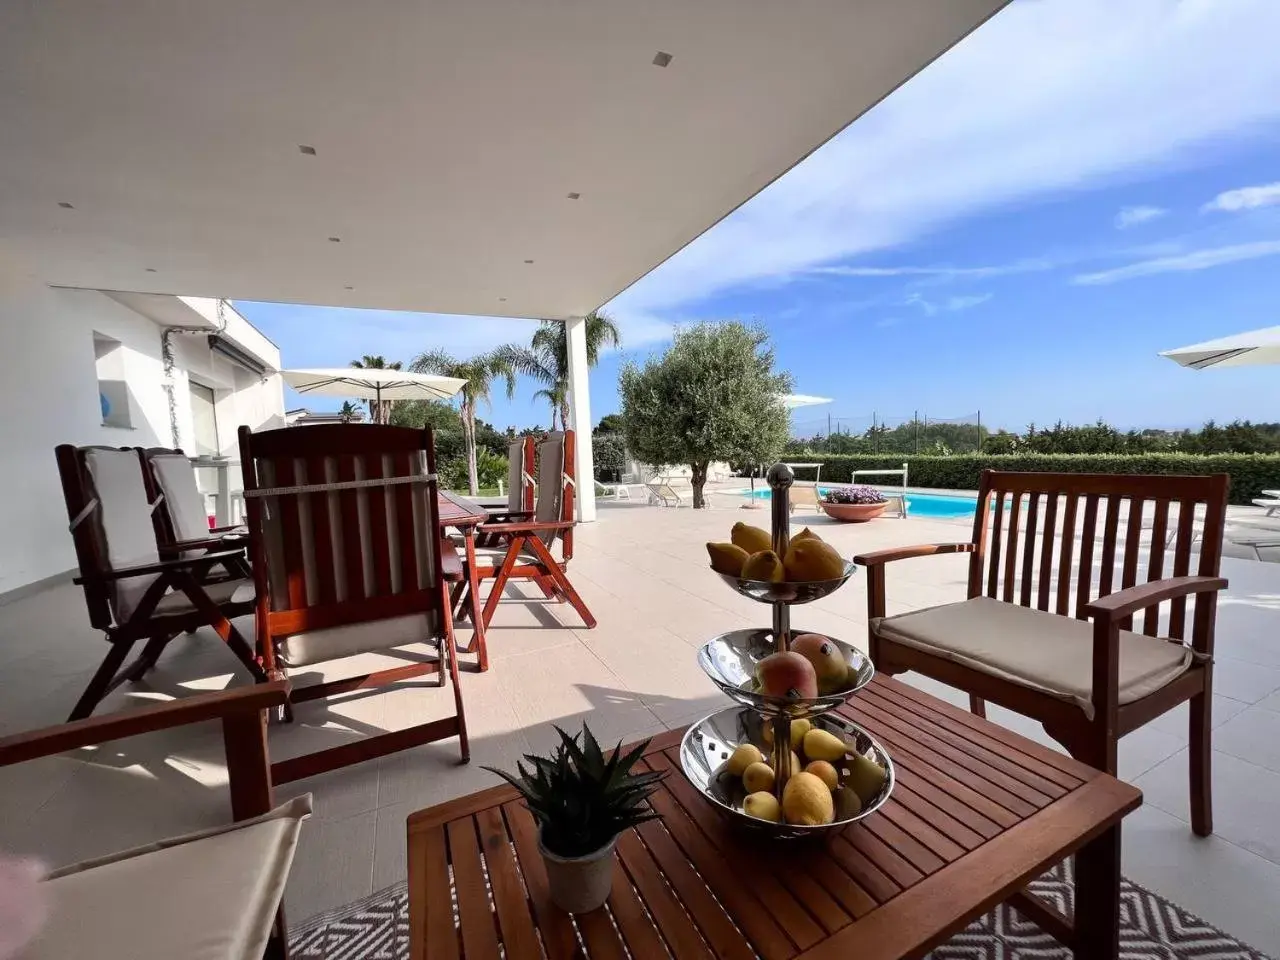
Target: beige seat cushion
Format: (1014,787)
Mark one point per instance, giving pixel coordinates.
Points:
(334,643)
(224,591)
(208,896)
(1036,649)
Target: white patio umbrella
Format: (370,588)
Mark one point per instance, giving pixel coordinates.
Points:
(793,400)
(1253,349)
(372,384)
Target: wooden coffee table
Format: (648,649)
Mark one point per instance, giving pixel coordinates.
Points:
(978,811)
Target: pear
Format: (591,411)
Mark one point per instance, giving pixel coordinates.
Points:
(749,538)
(744,756)
(764,565)
(866,777)
(824,745)
(806,801)
(762,806)
(796,765)
(758,777)
(727,558)
(824,772)
(810,560)
(798,729)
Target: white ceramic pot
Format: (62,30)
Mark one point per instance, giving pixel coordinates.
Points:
(579,884)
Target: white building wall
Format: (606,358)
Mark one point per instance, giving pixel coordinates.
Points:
(49,395)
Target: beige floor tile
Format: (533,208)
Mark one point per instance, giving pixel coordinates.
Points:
(1252,735)
(1244,681)
(390,845)
(333,865)
(1177,720)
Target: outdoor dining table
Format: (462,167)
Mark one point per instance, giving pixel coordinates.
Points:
(464,516)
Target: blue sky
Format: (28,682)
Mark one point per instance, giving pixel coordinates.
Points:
(1018,230)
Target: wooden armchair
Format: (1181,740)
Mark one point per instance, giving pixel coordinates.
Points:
(214,894)
(1023,638)
(132,594)
(348,559)
(521,456)
(181,523)
(527,554)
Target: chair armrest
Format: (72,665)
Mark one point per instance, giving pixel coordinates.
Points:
(1124,603)
(236,542)
(533,526)
(160,566)
(450,562)
(176,713)
(880,557)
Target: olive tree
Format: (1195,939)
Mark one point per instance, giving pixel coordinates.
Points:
(714,395)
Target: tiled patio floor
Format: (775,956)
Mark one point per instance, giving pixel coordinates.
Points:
(643,572)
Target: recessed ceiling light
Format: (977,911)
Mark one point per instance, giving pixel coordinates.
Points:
(309,150)
(151,269)
(335,239)
(528,261)
(502,299)
(348,288)
(64,205)
(661,59)
(574,196)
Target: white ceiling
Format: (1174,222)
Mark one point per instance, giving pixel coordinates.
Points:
(447,134)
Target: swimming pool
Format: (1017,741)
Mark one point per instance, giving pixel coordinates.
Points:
(939,506)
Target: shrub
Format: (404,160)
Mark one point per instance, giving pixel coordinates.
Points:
(1250,473)
(609,451)
(858,494)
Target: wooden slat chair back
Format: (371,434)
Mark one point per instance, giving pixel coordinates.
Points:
(131,593)
(1111,553)
(1059,542)
(345,542)
(528,553)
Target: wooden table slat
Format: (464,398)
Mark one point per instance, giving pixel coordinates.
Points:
(767,859)
(479,934)
(558,936)
(730,887)
(514,920)
(921,774)
(1009,793)
(677,926)
(977,812)
(1047,780)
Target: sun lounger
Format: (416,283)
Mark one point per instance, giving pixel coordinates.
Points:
(663,492)
(614,491)
(1271,504)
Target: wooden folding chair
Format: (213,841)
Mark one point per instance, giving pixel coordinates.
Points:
(519,506)
(130,592)
(178,507)
(348,559)
(527,555)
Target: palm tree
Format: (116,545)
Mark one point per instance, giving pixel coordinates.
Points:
(547,358)
(379,411)
(479,374)
(349,411)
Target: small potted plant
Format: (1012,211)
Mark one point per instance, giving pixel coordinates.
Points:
(855,504)
(582,800)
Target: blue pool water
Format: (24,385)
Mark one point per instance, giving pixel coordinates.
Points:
(918,504)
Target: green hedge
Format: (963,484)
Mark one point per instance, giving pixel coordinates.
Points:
(1250,472)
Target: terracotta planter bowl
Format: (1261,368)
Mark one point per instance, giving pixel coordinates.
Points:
(853,512)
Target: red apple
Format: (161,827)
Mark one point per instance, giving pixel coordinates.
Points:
(828,662)
(787,675)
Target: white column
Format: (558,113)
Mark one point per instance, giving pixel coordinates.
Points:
(580,417)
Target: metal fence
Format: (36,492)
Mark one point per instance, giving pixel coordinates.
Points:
(918,432)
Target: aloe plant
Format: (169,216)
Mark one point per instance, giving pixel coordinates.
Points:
(580,798)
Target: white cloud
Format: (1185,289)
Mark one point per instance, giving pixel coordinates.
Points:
(1132,216)
(1244,198)
(1106,92)
(1198,260)
(964,303)
(938,272)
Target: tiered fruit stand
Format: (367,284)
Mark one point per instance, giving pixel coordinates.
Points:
(730,661)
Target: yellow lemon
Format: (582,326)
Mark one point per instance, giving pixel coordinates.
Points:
(809,560)
(764,565)
(762,806)
(807,802)
(749,538)
(806,534)
(824,745)
(798,729)
(744,756)
(824,772)
(758,777)
(727,558)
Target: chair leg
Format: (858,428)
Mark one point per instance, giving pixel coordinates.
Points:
(1201,750)
(561,582)
(548,590)
(278,941)
(500,580)
(147,659)
(449,654)
(101,684)
(977,706)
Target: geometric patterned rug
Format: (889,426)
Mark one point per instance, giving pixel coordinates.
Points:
(1151,928)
